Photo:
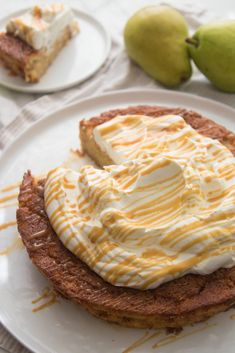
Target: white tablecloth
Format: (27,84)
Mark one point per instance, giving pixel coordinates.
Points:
(19,110)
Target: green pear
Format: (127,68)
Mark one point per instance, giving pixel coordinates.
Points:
(212,48)
(155,39)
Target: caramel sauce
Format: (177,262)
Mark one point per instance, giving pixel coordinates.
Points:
(126,143)
(153,253)
(10,187)
(131,120)
(7,224)
(109,129)
(152,168)
(49,295)
(131,181)
(208,179)
(69,186)
(73,235)
(16,245)
(144,209)
(174,127)
(171,339)
(143,339)
(15,185)
(165,340)
(10,204)
(9,197)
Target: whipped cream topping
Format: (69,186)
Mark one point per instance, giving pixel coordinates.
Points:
(42,26)
(166,209)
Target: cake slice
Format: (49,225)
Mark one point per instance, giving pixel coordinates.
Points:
(32,41)
(203,125)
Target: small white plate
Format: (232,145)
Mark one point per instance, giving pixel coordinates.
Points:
(76,62)
(66,327)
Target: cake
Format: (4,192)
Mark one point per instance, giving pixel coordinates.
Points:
(92,266)
(33,40)
(202,124)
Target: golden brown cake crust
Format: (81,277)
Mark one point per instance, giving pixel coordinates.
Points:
(27,62)
(189,299)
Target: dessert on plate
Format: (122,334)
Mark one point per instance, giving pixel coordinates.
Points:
(147,240)
(32,41)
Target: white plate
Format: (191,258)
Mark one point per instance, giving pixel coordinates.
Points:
(80,59)
(65,327)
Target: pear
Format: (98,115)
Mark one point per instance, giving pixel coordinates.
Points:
(155,39)
(212,48)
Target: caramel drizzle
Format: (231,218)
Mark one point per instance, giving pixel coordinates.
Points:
(168,340)
(3,201)
(16,245)
(163,341)
(10,187)
(15,185)
(9,197)
(143,339)
(10,204)
(7,224)
(49,295)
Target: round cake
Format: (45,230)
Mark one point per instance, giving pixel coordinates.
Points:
(182,301)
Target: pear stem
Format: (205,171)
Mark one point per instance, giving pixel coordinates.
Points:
(192,41)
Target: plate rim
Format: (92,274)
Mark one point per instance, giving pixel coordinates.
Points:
(32,344)
(34,90)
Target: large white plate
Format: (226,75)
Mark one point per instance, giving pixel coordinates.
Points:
(65,327)
(80,59)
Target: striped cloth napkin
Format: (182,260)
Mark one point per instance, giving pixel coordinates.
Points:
(117,73)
